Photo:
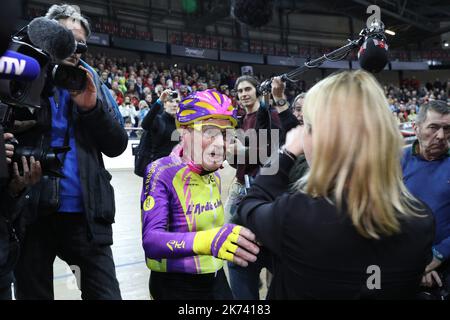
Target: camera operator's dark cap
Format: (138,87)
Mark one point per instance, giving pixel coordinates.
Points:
(68,11)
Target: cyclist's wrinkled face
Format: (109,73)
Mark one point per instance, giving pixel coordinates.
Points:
(208,140)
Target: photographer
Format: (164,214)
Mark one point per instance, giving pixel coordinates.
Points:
(63,14)
(262,120)
(9,201)
(71,217)
(162,124)
(159,125)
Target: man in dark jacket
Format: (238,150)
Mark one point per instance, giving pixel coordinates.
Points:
(260,120)
(76,225)
(161,124)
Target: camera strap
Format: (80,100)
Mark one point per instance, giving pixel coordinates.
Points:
(57,99)
(67,134)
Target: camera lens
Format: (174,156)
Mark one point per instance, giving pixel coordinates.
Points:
(18,89)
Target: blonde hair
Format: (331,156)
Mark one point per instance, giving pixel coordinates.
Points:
(356,153)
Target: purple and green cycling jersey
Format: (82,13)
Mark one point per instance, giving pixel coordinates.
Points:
(177,203)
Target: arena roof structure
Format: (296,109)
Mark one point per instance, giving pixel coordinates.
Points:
(415,22)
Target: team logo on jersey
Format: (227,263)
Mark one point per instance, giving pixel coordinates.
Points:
(200,208)
(149,203)
(173,244)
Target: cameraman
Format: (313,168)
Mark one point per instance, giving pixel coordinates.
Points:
(77,226)
(9,202)
(65,15)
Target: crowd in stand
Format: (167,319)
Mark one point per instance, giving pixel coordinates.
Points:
(405,101)
(137,84)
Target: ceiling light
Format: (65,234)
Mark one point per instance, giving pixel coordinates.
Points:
(390,32)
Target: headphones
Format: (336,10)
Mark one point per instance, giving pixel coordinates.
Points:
(252,80)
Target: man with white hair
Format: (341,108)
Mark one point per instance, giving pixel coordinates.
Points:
(70,17)
(71,218)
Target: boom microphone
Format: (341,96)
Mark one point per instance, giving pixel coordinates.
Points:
(54,39)
(373,53)
(17,66)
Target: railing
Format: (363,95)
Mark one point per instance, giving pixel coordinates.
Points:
(407,131)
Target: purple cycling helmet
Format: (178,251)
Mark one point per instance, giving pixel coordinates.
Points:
(204,105)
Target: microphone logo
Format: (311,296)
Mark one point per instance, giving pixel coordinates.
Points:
(9,65)
(377,42)
(380,44)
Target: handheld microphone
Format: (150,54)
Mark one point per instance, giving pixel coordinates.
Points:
(14,65)
(52,38)
(373,53)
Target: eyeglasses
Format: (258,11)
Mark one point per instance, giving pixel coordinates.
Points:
(212,132)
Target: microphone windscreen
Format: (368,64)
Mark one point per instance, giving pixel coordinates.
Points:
(52,38)
(373,54)
(255,13)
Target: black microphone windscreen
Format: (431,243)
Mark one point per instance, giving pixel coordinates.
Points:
(373,54)
(52,38)
(255,13)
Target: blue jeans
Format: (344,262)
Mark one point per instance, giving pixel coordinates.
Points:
(236,193)
(244,282)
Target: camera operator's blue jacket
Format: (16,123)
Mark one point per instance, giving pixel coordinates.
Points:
(94,132)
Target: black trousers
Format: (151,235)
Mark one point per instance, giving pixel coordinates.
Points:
(64,235)
(184,286)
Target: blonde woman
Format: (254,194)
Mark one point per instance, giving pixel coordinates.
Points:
(349,229)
